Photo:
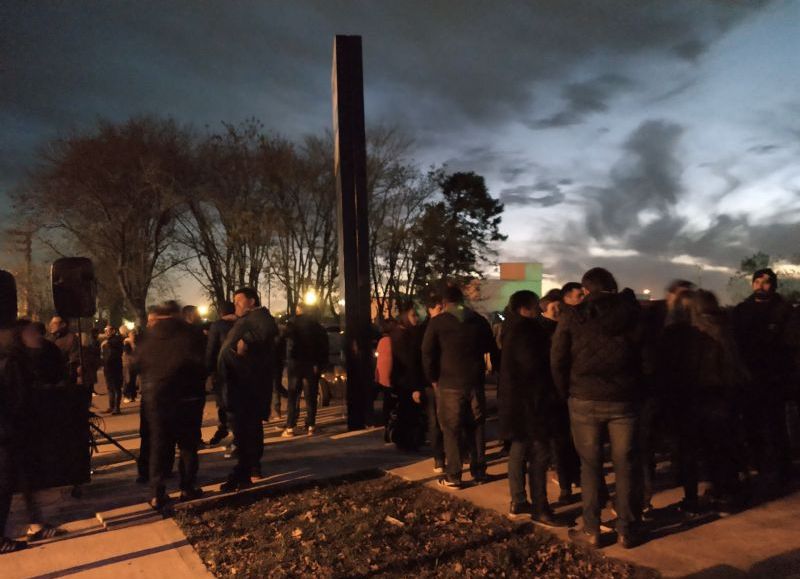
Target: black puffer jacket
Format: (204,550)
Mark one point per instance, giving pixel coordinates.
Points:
(525,394)
(454,346)
(407,358)
(596,351)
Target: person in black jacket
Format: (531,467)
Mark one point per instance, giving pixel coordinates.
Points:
(406,378)
(567,463)
(706,414)
(245,364)
(453,351)
(111,352)
(216,336)
(306,357)
(12,399)
(525,406)
(762,330)
(596,365)
(433,304)
(173,396)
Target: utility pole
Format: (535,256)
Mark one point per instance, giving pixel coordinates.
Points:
(23,243)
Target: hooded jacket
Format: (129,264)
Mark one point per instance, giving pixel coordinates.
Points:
(454,346)
(596,351)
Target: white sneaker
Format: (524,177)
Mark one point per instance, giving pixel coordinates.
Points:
(287,433)
(311,430)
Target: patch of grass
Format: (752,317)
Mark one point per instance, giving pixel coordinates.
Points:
(378,526)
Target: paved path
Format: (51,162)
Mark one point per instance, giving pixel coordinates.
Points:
(114,534)
(761,542)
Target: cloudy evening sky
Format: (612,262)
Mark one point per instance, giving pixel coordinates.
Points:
(659,139)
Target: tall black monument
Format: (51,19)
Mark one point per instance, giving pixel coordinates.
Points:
(350,159)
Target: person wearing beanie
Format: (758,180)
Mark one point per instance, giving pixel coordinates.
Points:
(762,328)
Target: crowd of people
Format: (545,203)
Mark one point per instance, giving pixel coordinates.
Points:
(588,365)
(580,369)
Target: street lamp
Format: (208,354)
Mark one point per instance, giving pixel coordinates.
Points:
(203,311)
(310,299)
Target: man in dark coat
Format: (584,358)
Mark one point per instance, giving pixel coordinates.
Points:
(111,352)
(173,396)
(68,344)
(762,330)
(453,351)
(12,401)
(568,465)
(217,333)
(596,365)
(525,406)
(306,357)
(245,363)
(433,304)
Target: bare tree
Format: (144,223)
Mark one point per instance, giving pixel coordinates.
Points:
(115,193)
(228,225)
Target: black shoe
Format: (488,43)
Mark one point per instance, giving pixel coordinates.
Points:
(218,437)
(231,452)
(584,537)
(519,510)
(480,477)
(159,502)
(565,497)
(11,546)
(142,479)
(191,494)
(255,472)
(234,485)
(689,506)
(546,519)
(448,484)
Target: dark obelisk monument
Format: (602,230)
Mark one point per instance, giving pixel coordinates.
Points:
(350,159)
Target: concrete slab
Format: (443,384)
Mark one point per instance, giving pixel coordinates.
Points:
(152,550)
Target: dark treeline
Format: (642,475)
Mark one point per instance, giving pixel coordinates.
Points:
(243,206)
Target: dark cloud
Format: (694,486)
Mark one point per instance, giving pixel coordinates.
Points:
(764,149)
(648,176)
(541,194)
(691,49)
(427,64)
(584,98)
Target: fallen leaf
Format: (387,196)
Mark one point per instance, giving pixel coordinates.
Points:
(396,522)
(297,533)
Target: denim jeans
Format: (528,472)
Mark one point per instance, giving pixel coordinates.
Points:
(589,419)
(529,457)
(303,380)
(463,411)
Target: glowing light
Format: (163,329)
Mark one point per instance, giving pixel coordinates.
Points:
(646,292)
(310,298)
(128,324)
(203,311)
(341,302)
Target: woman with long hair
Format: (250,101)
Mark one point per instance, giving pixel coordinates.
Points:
(709,421)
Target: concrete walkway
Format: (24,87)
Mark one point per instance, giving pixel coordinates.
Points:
(113,533)
(763,541)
